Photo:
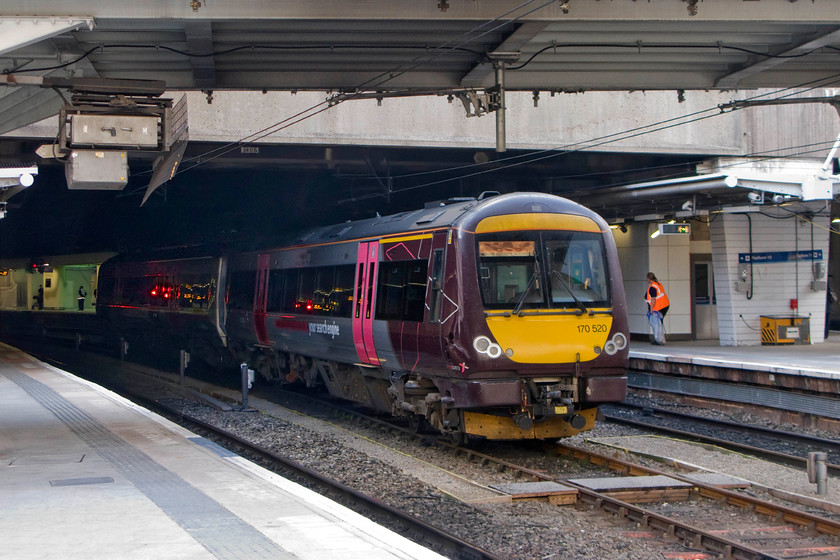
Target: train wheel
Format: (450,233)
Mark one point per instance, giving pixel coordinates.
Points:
(458,438)
(417,424)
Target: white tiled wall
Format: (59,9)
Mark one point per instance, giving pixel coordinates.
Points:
(666,256)
(774,284)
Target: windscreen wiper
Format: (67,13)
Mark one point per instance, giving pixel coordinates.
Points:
(533,279)
(580,304)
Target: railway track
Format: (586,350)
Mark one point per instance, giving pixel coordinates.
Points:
(775,445)
(791,523)
(814,535)
(409,526)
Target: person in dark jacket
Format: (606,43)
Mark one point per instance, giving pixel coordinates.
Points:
(81,298)
(39,299)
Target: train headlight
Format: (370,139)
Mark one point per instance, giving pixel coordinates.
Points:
(620,340)
(616,344)
(481,344)
(484,345)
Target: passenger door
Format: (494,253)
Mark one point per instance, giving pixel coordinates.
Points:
(260,298)
(705,302)
(364,296)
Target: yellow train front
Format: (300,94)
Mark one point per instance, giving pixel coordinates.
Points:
(528,296)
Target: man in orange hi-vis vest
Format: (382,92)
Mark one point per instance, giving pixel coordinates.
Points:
(658,305)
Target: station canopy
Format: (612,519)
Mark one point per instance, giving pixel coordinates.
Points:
(398,47)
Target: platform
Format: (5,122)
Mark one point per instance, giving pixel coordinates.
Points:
(795,384)
(816,360)
(87,474)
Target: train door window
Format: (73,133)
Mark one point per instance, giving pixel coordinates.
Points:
(242,288)
(343,290)
(392,283)
(437,285)
(370,285)
(415,290)
(276,289)
(360,285)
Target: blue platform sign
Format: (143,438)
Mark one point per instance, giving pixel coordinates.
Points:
(780,256)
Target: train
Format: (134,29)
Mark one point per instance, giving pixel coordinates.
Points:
(500,317)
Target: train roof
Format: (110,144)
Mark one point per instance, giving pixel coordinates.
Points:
(453,212)
(458,212)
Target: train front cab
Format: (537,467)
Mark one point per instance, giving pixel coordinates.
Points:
(547,340)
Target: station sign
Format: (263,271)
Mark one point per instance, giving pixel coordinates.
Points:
(780,256)
(675,229)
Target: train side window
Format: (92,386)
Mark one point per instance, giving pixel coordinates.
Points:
(437,285)
(415,291)
(392,282)
(195,291)
(242,288)
(276,288)
(305,301)
(290,293)
(342,294)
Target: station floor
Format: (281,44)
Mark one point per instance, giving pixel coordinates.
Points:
(86,474)
(819,360)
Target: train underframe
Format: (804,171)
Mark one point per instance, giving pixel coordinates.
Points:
(543,408)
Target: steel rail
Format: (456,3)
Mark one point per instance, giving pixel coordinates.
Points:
(778,456)
(699,538)
(803,519)
(780,434)
(413,528)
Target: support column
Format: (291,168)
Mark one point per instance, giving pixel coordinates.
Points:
(767,283)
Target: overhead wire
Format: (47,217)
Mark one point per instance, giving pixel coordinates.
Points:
(391,74)
(427,57)
(586,145)
(715,109)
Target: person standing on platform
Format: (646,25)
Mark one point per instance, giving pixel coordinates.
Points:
(39,299)
(658,305)
(81,298)
(830,298)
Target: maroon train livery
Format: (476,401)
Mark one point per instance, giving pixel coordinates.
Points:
(502,317)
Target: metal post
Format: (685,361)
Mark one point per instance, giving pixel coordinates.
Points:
(817,471)
(499,60)
(501,144)
(182,366)
(247,378)
(123,349)
(78,341)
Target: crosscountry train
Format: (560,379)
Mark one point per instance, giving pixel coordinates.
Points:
(502,317)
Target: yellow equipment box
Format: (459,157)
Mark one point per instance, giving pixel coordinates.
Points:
(785,329)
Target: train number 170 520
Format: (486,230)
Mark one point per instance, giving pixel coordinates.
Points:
(594,328)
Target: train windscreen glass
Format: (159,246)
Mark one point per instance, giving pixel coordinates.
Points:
(509,272)
(550,269)
(576,269)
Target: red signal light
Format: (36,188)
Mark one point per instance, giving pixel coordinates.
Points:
(154,292)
